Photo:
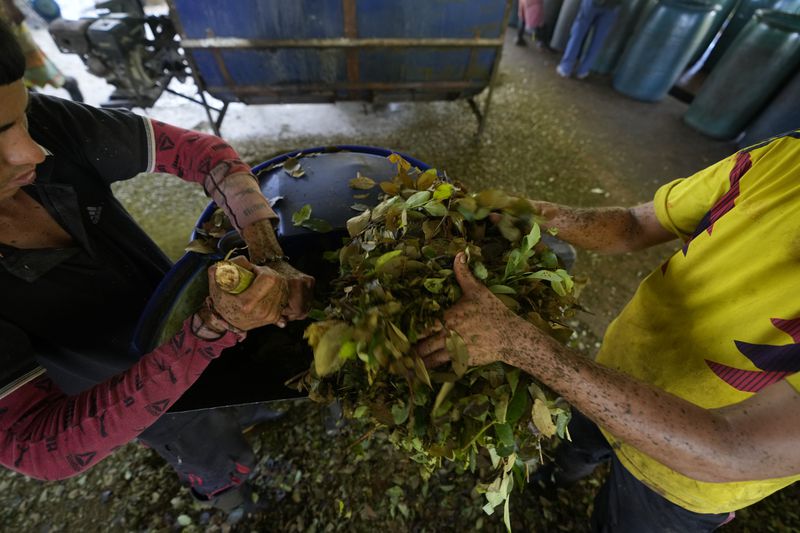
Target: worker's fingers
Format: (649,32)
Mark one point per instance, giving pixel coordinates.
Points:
(437,358)
(242,261)
(260,304)
(464,276)
(431,344)
(301,290)
(262,243)
(434,328)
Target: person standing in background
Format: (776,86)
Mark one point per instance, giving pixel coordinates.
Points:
(40,71)
(597,15)
(531,21)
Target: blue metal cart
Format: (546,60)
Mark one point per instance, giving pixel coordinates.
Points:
(302,51)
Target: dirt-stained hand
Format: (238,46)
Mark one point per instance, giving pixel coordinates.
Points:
(262,243)
(483,321)
(262,303)
(301,290)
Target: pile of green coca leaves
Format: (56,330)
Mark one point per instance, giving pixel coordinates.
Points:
(396,280)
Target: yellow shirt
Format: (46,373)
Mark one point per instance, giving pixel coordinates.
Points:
(720,320)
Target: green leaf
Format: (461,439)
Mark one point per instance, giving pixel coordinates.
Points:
(542,419)
(502,289)
(317,224)
(457,219)
(359,223)
(532,238)
(518,406)
(435,209)
(360,411)
(495,497)
(508,229)
(562,420)
(459,354)
(427,179)
(505,439)
(398,338)
(400,412)
(558,280)
(317,314)
(443,191)
(326,352)
(500,409)
(347,351)
(422,372)
(549,259)
(479,270)
(567,279)
(302,215)
(362,182)
(417,199)
(513,263)
(512,377)
(507,514)
(382,260)
(447,386)
(433,285)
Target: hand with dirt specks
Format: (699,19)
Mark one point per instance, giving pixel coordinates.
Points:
(262,303)
(301,290)
(490,330)
(262,243)
(263,248)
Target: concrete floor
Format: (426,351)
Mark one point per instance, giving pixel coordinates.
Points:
(563,140)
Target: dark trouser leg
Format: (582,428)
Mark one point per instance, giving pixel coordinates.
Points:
(626,505)
(520,32)
(577,459)
(206,449)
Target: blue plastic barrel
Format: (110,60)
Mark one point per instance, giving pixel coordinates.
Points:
(744,12)
(630,12)
(781,115)
(566,16)
(255,370)
(659,53)
(513,19)
(763,57)
(720,19)
(552,9)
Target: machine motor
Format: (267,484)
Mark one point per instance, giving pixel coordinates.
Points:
(136,53)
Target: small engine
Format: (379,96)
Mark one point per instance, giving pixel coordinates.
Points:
(136,53)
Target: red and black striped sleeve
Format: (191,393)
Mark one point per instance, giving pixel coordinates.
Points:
(48,435)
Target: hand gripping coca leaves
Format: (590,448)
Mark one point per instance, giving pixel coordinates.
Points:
(395,281)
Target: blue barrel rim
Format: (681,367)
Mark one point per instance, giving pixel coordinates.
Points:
(692,5)
(782,20)
(195,260)
(357,148)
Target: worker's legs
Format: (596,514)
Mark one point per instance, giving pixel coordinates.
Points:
(577,458)
(603,22)
(206,449)
(580,27)
(521,32)
(626,505)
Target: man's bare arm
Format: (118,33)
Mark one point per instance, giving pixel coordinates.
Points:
(755,439)
(605,229)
